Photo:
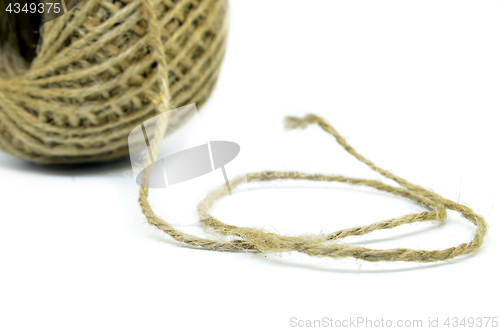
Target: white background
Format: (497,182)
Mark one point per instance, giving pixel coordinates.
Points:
(413,85)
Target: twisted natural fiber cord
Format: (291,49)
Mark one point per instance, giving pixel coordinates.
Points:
(109,65)
(252,239)
(102,69)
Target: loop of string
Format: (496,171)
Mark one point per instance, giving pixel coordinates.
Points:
(236,239)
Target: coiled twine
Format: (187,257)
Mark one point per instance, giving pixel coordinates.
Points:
(96,76)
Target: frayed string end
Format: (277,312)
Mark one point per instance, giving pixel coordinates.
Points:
(292,122)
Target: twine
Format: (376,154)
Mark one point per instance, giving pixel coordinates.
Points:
(101,70)
(68,109)
(323,245)
(238,239)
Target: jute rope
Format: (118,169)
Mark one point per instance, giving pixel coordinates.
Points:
(238,239)
(67,109)
(252,239)
(96,75)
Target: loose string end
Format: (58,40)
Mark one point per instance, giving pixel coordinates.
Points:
(292,122)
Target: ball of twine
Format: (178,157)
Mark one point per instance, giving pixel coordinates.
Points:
(97,75)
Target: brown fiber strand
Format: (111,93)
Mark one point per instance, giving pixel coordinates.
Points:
(65,109)
(253,239)
(102,69)
(237,239)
